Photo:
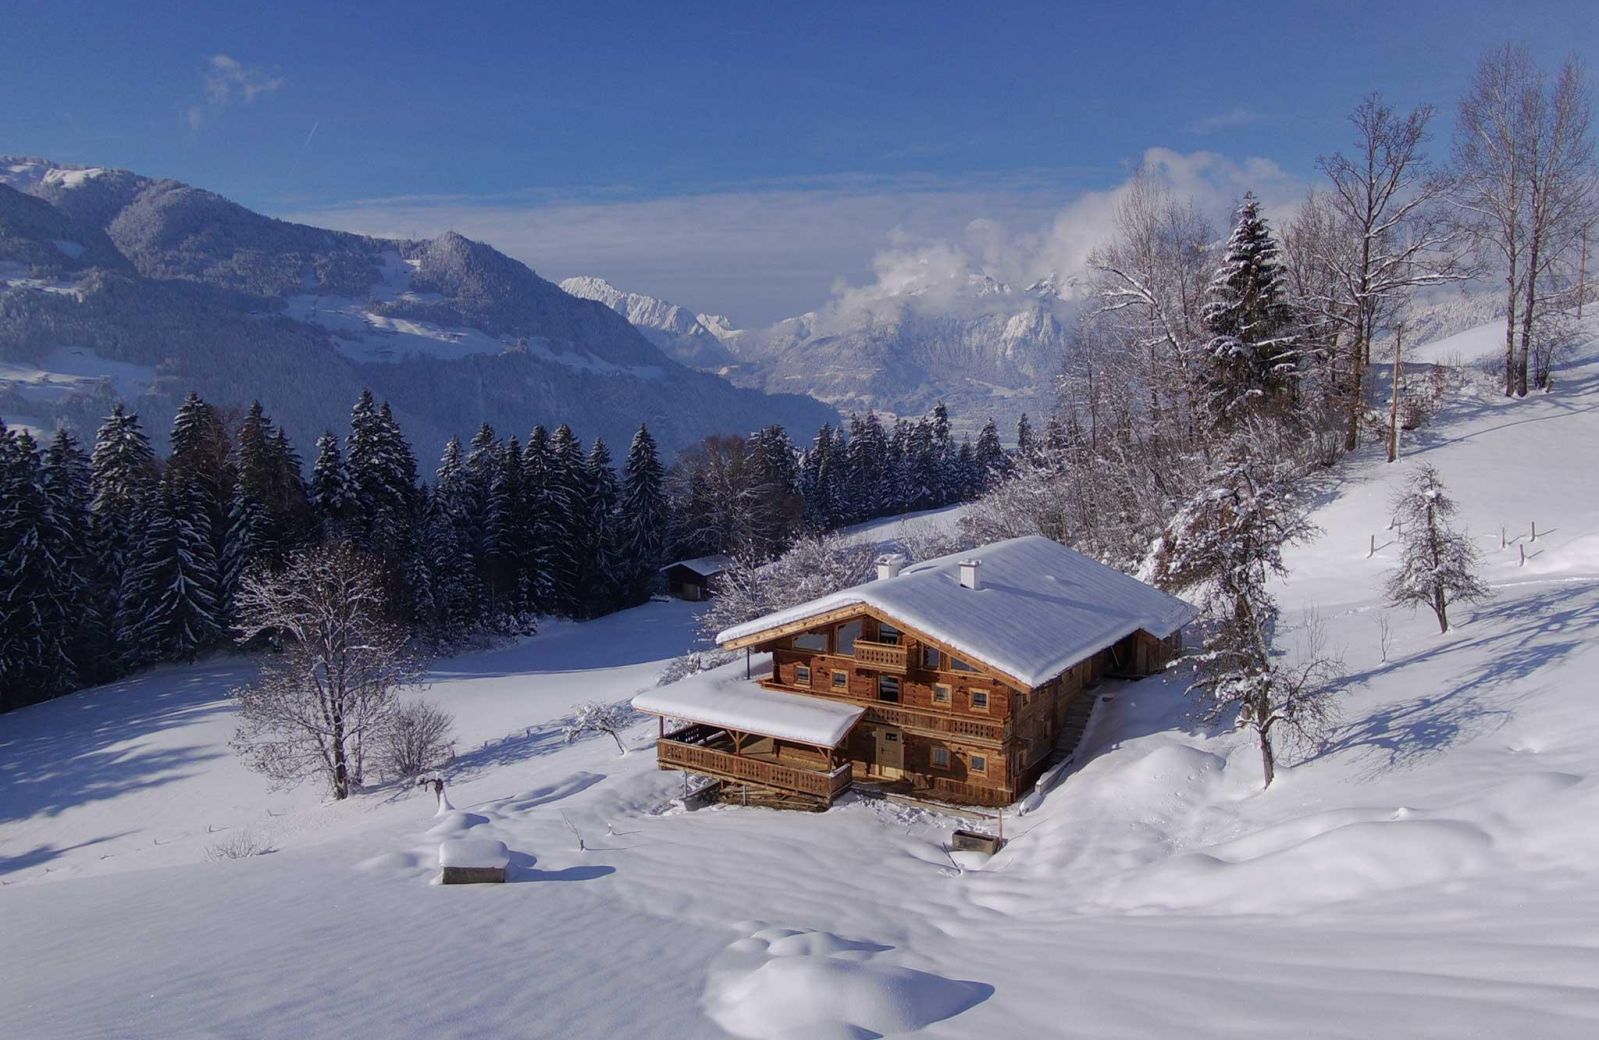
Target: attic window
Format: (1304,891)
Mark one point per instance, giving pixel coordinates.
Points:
(931,658)
(888,635)
(956,664)
(811,641)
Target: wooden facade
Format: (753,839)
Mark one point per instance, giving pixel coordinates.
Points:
(938,724)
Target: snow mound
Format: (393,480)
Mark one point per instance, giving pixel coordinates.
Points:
(784,984)
(474,852)
(1354,861)
(456,823)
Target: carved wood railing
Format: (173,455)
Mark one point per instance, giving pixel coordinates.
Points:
(882,657)
(823,784)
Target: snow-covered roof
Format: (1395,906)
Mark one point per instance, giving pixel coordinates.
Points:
(1039,607)
(749,708)
(704,566)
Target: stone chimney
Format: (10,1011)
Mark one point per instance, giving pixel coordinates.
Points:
(889,565)
(969,569)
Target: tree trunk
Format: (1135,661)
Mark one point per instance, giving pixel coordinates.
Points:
(1510,333)
(1526,319)
(341,767)
(1393,399)
(1440,606)
(1268,761)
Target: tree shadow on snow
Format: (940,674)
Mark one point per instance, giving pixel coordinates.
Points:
(1543,629)
(522,869)
(89,745)
(43,854)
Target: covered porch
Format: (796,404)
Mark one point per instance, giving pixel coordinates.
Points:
(741,733)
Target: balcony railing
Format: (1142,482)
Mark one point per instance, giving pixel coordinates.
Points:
(993,730)
(882,657)
(824,785)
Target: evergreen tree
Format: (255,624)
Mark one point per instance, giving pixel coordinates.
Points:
(270,514)
(455,599)
(569,520)
(602,569)
(35,588)
(330,494)
(989,458)
(386,510)
(1252,355)
(537,555)
(1437,564)
(125,475)
(642,518)
(1026,447)
(171,597)
(68,480)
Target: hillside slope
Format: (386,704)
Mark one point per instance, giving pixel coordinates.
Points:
(105,272)
(1433,871)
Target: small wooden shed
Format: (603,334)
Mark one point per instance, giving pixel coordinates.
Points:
(695,579)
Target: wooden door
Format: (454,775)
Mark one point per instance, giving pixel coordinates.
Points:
(890,753)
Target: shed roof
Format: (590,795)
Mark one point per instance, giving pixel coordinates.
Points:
(748,708)
(704,566)
(1039,607)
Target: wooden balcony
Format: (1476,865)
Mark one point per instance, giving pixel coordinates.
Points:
(994,731)
(692,749)
(882,657)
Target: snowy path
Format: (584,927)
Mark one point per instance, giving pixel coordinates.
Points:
(1431,873)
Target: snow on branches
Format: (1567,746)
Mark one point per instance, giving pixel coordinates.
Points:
(1437,564)
(595,717)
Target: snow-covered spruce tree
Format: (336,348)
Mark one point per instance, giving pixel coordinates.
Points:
(270,515)
(1252,356)
(36,587)
(170,604)
(1229,542)
(1437,564)
(568,519)
(642,521)
(601,562)
(1026,447)
(124,476)
(535,517)
(321,701)
(455,598)
(992,463)
(330,493)
(67,482)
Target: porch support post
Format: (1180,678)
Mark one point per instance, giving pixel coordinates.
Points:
(746,662)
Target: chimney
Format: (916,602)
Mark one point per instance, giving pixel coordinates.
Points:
(969,573)
(889,565)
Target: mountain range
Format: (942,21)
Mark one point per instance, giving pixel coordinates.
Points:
(982,347)
(116,286)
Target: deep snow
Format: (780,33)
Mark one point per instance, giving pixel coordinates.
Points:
(1429,873)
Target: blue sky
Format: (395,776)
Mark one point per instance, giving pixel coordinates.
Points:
(745,157)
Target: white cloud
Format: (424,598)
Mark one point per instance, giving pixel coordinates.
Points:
(229,81)
(837,245)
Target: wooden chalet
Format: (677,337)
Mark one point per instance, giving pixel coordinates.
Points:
(958,679)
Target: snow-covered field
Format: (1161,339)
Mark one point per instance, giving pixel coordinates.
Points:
(1430,873)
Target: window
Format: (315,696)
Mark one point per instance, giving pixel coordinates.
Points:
(978,763)
(930,658)
(940,758)
(890,737)
(979,700)
(888,688)
(941,693)
(957,665)
(847,634)
(840,680)
(811,641)
(802,675)
(888,635)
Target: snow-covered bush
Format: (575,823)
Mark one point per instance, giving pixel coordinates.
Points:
(415,740)
(595,717)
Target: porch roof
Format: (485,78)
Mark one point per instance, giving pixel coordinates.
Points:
(748,708)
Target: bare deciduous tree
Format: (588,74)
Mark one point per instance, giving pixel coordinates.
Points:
(1524,159)
(595,717)
(1386,198)
(329,688)
(416,740)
